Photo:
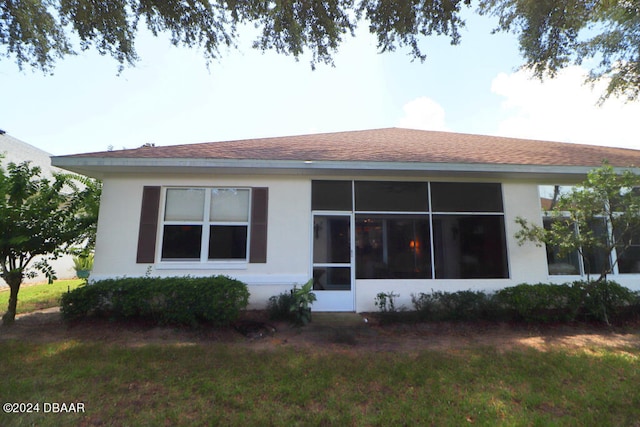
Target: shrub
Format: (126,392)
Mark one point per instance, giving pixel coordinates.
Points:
(385,301)
(171,300)
(293,306)
(541,302)
(425,305)
(279,307)
(461,305)
(303,298)
(591,300)
(387,310)
(603,301)
(464,305)
(632,311)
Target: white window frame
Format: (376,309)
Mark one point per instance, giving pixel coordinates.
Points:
(204,262)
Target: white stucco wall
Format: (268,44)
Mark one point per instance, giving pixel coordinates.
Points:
(288,250)
(289,234)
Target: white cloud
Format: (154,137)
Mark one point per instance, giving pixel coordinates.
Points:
(564,109)
(423,113)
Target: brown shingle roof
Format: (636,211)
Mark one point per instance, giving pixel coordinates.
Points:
(392,145)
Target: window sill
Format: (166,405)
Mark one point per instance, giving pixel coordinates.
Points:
(190,265)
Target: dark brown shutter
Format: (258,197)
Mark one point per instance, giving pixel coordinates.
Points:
(259,208)
(148,225)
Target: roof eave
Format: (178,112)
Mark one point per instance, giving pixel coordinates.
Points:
(99,167)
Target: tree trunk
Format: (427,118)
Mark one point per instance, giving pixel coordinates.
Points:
(14,280)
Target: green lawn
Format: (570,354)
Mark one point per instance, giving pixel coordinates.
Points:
(227,384)
(37,297)
(222,384)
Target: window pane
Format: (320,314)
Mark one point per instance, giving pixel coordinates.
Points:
(597,260)
(228,242)
(629,262)
(466,197)
(629,258)
(184,204)
(570,263)
(331,195)
(392,246)
(469,247)
(331,239)
(392,196)
(331,278)
(229,204)
(181,242)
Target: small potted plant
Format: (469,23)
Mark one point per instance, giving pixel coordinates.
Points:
(83,264)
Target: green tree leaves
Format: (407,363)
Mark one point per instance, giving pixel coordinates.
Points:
(41,217)
(602,215)
(556,33)
(552,33)
(402,23)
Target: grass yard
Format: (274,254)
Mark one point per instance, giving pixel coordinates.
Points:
(37,297)
(109,374)
(227,384)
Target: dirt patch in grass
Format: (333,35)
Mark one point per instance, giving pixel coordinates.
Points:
(256,331)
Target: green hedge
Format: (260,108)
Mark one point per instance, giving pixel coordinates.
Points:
(279,307)
(169,300)
(541,302)
(461,305)
(604,301)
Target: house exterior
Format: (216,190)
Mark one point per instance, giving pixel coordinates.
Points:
(17,151)
(360,212)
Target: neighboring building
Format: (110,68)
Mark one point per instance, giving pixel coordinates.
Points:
(16,151)
(361,212)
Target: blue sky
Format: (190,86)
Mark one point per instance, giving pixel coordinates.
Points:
(170,97)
